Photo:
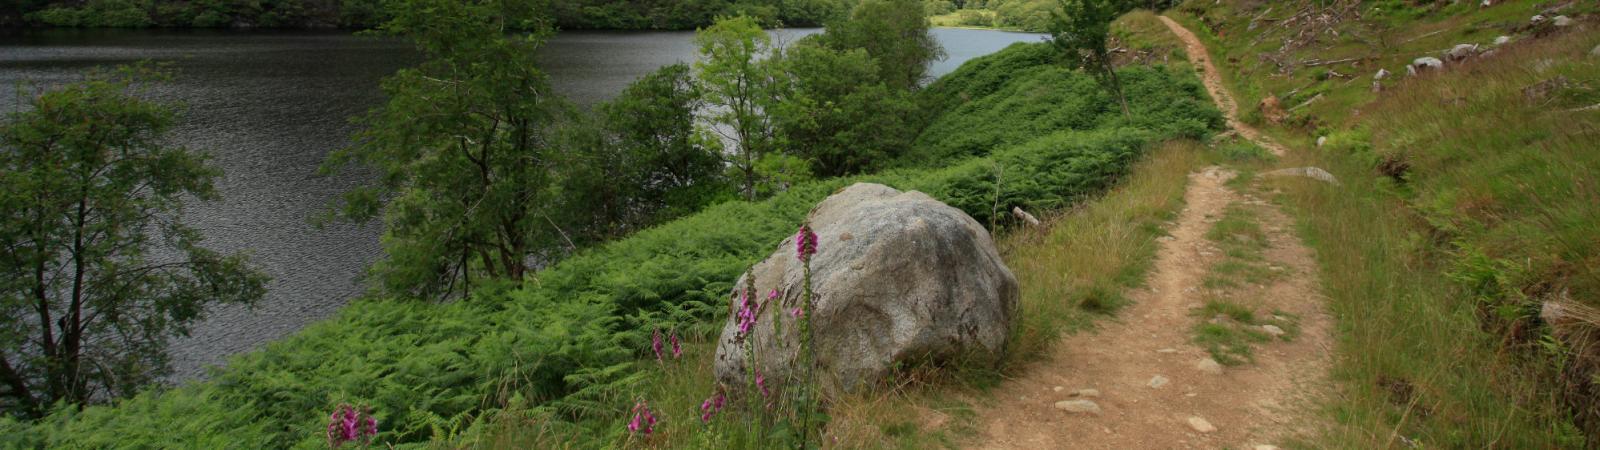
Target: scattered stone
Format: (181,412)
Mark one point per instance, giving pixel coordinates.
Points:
(1425,63)
(1322,140)
(1307,172)
(1561,21)
(1209,366)
(1058,389)
(1167,350)
(1201,425)
(1595,52)
(1016,211)
(1157,382)
(904,242)
(1086,393)
(1382,73)
(1265,447)
(1537,19)
(1079,407)
(1502,40)
(1273,330)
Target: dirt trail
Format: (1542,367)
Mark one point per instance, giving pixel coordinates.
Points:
(1200,57)
(1254,404)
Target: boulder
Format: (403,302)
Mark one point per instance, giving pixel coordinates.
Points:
(1502,40)
(1561,21)
(1595,52)
(1461,52)
(898,278)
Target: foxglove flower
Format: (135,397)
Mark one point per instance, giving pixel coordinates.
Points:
(350,424)
(761,383)
(655,344)
(805,243)
(643,420)
(677,350)
(797,312)
(711,407)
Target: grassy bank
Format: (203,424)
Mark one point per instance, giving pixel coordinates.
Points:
(1467,210)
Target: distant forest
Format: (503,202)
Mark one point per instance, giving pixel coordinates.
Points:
(567,14)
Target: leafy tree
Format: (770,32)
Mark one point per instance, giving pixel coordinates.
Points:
(97,270)
(838,114)
(736,85)
(1080,31)
(641,159)
(895,34)
(463,150)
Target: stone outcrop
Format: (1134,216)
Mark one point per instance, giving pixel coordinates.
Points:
(898,278)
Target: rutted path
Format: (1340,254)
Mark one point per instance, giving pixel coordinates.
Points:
(1149,386)
(1200,57)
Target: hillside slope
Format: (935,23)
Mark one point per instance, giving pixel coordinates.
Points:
(1460,252)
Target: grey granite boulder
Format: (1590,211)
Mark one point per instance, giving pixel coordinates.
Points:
(898,277)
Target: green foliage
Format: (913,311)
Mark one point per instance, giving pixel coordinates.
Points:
(97,13)
(641,159)
(463,149)
(983,109)
(1081,32)
(737,86)
(837,114)
(895,34)
(94,276)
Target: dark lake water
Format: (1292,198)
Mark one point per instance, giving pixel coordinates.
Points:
(270,105)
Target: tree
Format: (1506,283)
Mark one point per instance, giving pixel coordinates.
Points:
(1080,31)
(640,159)
(464,151)
(736,85)
(97,270)
(837,114)
(895,34)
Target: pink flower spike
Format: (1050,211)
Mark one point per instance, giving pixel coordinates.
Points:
(655,344)
(797,312)
(772,295)
(677,350)
(805,243)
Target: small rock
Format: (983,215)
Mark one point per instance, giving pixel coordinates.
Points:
(1079,407)
(1502,40)
(1424,64)
(1157,382)
(1382,73)
(1167,350)
(1595,52)
(1322,140)
(1166,239)
(1058,389)
(1265,447)
(1537,19)
(1461,52)
(1201,425)
(1561,21)
(1272,330)
(1086,393)
(1209,366)
(1314,173)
